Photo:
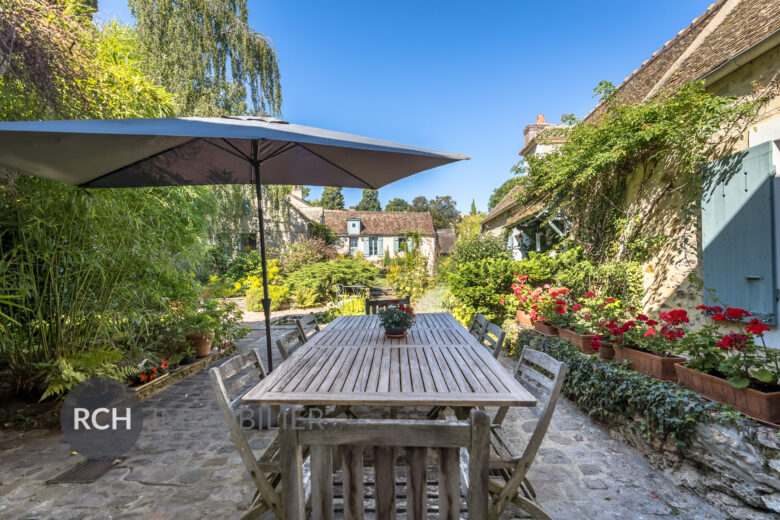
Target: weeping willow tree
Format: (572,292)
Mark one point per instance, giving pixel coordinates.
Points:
(208,55)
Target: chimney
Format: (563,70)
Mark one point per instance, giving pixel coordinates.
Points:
(532,130)
(352,208)
(297,191)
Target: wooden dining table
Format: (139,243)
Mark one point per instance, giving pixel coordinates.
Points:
(351,363)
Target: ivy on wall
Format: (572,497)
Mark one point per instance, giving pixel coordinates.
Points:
(658,145)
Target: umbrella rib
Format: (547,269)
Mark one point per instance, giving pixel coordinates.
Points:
(239,153)
(87,184)
(336,165)
(289,146)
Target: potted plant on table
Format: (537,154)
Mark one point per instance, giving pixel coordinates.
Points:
(728,361)
(649,345)
(396,319)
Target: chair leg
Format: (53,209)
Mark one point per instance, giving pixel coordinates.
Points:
(530,507)
(257,508)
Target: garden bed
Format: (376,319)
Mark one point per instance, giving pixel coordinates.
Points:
(728,460)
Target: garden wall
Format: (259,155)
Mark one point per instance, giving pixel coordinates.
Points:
(730,461)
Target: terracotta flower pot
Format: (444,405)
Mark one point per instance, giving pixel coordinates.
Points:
(523,318)
(659,367)
(581,341)
(547,330)
(201,343)
(606,349)
(764,406)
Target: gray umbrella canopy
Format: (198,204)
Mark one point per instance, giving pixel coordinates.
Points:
(197,151)
(128,153)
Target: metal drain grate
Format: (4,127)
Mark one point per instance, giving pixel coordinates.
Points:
(85,472)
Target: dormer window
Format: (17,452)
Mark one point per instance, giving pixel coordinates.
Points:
(353,226)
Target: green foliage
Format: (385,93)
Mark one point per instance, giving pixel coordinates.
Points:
(661,142)
(612,393)
(370,201)
(306,297)
(208,55)
(279,295)
(473,210)
(442,209)
(244,264)
(332,198)
(479,247)
(468,227)
(478,286)
(408,273)
(397,204)
(322,232)
(305,253)
(500,192)
(322,276)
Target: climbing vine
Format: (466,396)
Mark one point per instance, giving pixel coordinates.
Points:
(613,173)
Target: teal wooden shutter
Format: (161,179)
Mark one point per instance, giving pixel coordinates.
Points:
(365,246)
(379,249)
(395,244)
(738,245)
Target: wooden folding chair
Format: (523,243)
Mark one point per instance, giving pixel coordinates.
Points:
(233,376)
(478,326)
(385,437)
(508,482)
(289,342)
(307,326)
(373,305)
(493,338)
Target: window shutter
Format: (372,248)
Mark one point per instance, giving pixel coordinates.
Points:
(395,244)
(379,249)
(409,244)
(366,241)
(738,246)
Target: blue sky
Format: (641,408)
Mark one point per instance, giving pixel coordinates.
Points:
(456,76)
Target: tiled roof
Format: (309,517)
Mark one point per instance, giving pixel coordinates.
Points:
(446,240)
(726,28)
(380,223)
(508,200)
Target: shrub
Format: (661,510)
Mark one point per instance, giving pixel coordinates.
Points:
(480,247)
(244,264)
(408,273)
(480,286)
(321,277)
(279,295)
(613,393)
(305,253)
(306,297)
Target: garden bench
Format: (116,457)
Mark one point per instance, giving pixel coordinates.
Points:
(373,305)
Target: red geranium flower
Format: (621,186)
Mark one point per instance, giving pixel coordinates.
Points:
(142,377)
(609,300)
(719,317)
(734,341)
(736,313)
(577,307)
(650,332)
(590,294)
(756,327)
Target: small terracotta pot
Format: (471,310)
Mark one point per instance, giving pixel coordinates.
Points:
(523,318)
(201,343)
(547,330)
(764,406)
(659,367)
(581,341)
(606,350)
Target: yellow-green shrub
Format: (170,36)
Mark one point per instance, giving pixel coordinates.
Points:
(279,294)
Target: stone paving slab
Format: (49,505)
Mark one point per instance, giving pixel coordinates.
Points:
(185,467)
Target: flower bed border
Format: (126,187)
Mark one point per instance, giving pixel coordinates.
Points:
(146,390)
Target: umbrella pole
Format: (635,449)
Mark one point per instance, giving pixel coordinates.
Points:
(266,299)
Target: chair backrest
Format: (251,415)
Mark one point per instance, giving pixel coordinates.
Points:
(289,342)
(231,380)
(478,326)
(373,305)
(493,338)
(307,326)
(352,436)
(544,374)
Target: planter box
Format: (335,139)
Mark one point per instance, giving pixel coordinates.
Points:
(523,318)
(581,341)
(655,366)
(764,406)
(606,349)
(547,330)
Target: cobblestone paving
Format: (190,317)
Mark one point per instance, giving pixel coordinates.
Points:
(185,467)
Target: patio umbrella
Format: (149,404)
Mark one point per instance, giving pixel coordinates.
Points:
(121,153)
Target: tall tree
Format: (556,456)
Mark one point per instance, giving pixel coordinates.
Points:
(443,212)
(473,208)
(208,55)
(419,204)
(370,201)
(332,198)
(500,192)
(397,204)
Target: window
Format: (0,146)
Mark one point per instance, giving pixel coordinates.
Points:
(352,245)
(373,246)
(399,244)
